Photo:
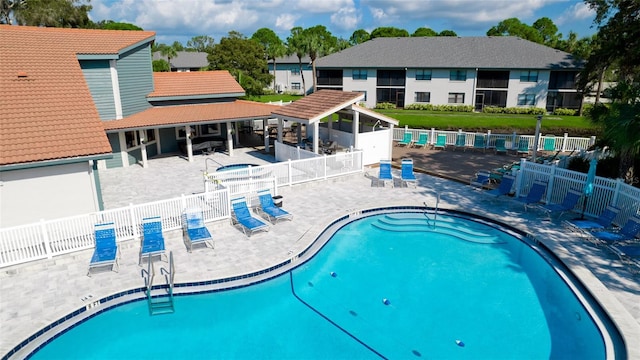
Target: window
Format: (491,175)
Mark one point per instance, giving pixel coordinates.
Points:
(493,79)
(329,77)
(209,130)
(391,77)
(151,136)
(423,74)
(526,99)
(295,86)
(131,138)
(295,71)
(562,79)
(456,98)
(423,97)
(457,75)
(528,76)
(359,74)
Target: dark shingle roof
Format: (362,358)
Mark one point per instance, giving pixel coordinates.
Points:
(185,59)
(493,52)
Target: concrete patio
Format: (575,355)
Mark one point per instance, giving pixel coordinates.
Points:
(38,293)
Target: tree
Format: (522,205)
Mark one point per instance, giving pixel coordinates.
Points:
(177,46)
(201,43)
(389,32)
(359,36)
(52,13)
(296,45)
(318,42)
(161,65)
(342,44)
(423,31)
(112,25)
(548,31)
(447,33)
(513,27)
(8,8)
(272,45)
(617,45)
(169,51)
(244,59)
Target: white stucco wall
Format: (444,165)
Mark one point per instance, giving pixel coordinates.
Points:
(368,85)
(540,88)
(50,192)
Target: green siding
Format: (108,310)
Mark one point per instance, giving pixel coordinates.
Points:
(152,150)
(96,178)
(168,142)
(135,156)
(135,76)
(116,160)
(98,77)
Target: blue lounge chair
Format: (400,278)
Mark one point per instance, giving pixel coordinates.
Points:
(628,232)
(106,251)
(479,143)
(480,180)
(243,217)
(604,221)
(523,146)
(441,142)
(406,175)
(407,140)
(629,255)
(549,143)
(152,238)
(423,140)
(461,142)
(194,230)
(500,146)
(535,194)
(269,208)
(506,184)
(568,203)
(384,174)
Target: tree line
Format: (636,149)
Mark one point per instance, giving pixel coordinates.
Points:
(612,54)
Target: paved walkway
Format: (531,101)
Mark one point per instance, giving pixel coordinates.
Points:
(34,295)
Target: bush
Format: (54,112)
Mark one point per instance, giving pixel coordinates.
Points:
(564,112)
(431,107)
(385,106)
(514,110)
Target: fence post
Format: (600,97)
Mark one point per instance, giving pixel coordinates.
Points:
(184,202)
(592,140)
(514,145)
(45,239)
(616,191)
(552,177)
(565,139)
(488,138)
(324,167)
(134,228)
(289,174)
(519,177)
(433,136)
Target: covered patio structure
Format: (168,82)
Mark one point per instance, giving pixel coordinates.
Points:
(332,115)
(168,129)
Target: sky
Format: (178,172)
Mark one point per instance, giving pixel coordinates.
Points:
(181,20)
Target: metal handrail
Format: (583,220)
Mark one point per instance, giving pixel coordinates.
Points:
(148,276)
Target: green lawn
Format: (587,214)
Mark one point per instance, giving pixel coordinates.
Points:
(522,124)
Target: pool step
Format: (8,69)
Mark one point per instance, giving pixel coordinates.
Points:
(441,227)
(442,222)
(161,305)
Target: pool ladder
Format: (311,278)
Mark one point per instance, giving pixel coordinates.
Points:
(162,303)
(435,213)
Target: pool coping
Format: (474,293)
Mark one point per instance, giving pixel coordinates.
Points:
(317,237)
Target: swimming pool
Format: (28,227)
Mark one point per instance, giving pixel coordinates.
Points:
(390,285)
(235,167)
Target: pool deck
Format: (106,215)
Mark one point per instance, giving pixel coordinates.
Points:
(34,295)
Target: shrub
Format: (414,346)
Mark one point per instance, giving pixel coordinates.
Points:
(431,107)
(564,112)
(513,110)
(385,105)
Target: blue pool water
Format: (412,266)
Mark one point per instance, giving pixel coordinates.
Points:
(389,286)
(235,167)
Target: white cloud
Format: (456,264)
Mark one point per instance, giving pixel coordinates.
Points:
(377,13)
(346,18)
(579,11)
(322,6)
(285,22)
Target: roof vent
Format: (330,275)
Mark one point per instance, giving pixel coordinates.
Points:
(22,74)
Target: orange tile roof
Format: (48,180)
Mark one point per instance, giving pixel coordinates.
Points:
(46,109)
(317,104)
(191,114)
(194,83)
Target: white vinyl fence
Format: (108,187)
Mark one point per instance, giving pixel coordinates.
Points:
(46,239)
(563,143)
(605,191)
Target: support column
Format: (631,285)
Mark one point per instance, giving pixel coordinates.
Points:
(390,146)
(329,125)
(187,131)
(265,133)
(356,128)
(230,138)
(280,127)
(143,147)
(316,132)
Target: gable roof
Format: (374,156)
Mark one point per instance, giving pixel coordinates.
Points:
(169,116)
(318,105)
(199,84)
(46,109)
(489,52)
(185,59)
